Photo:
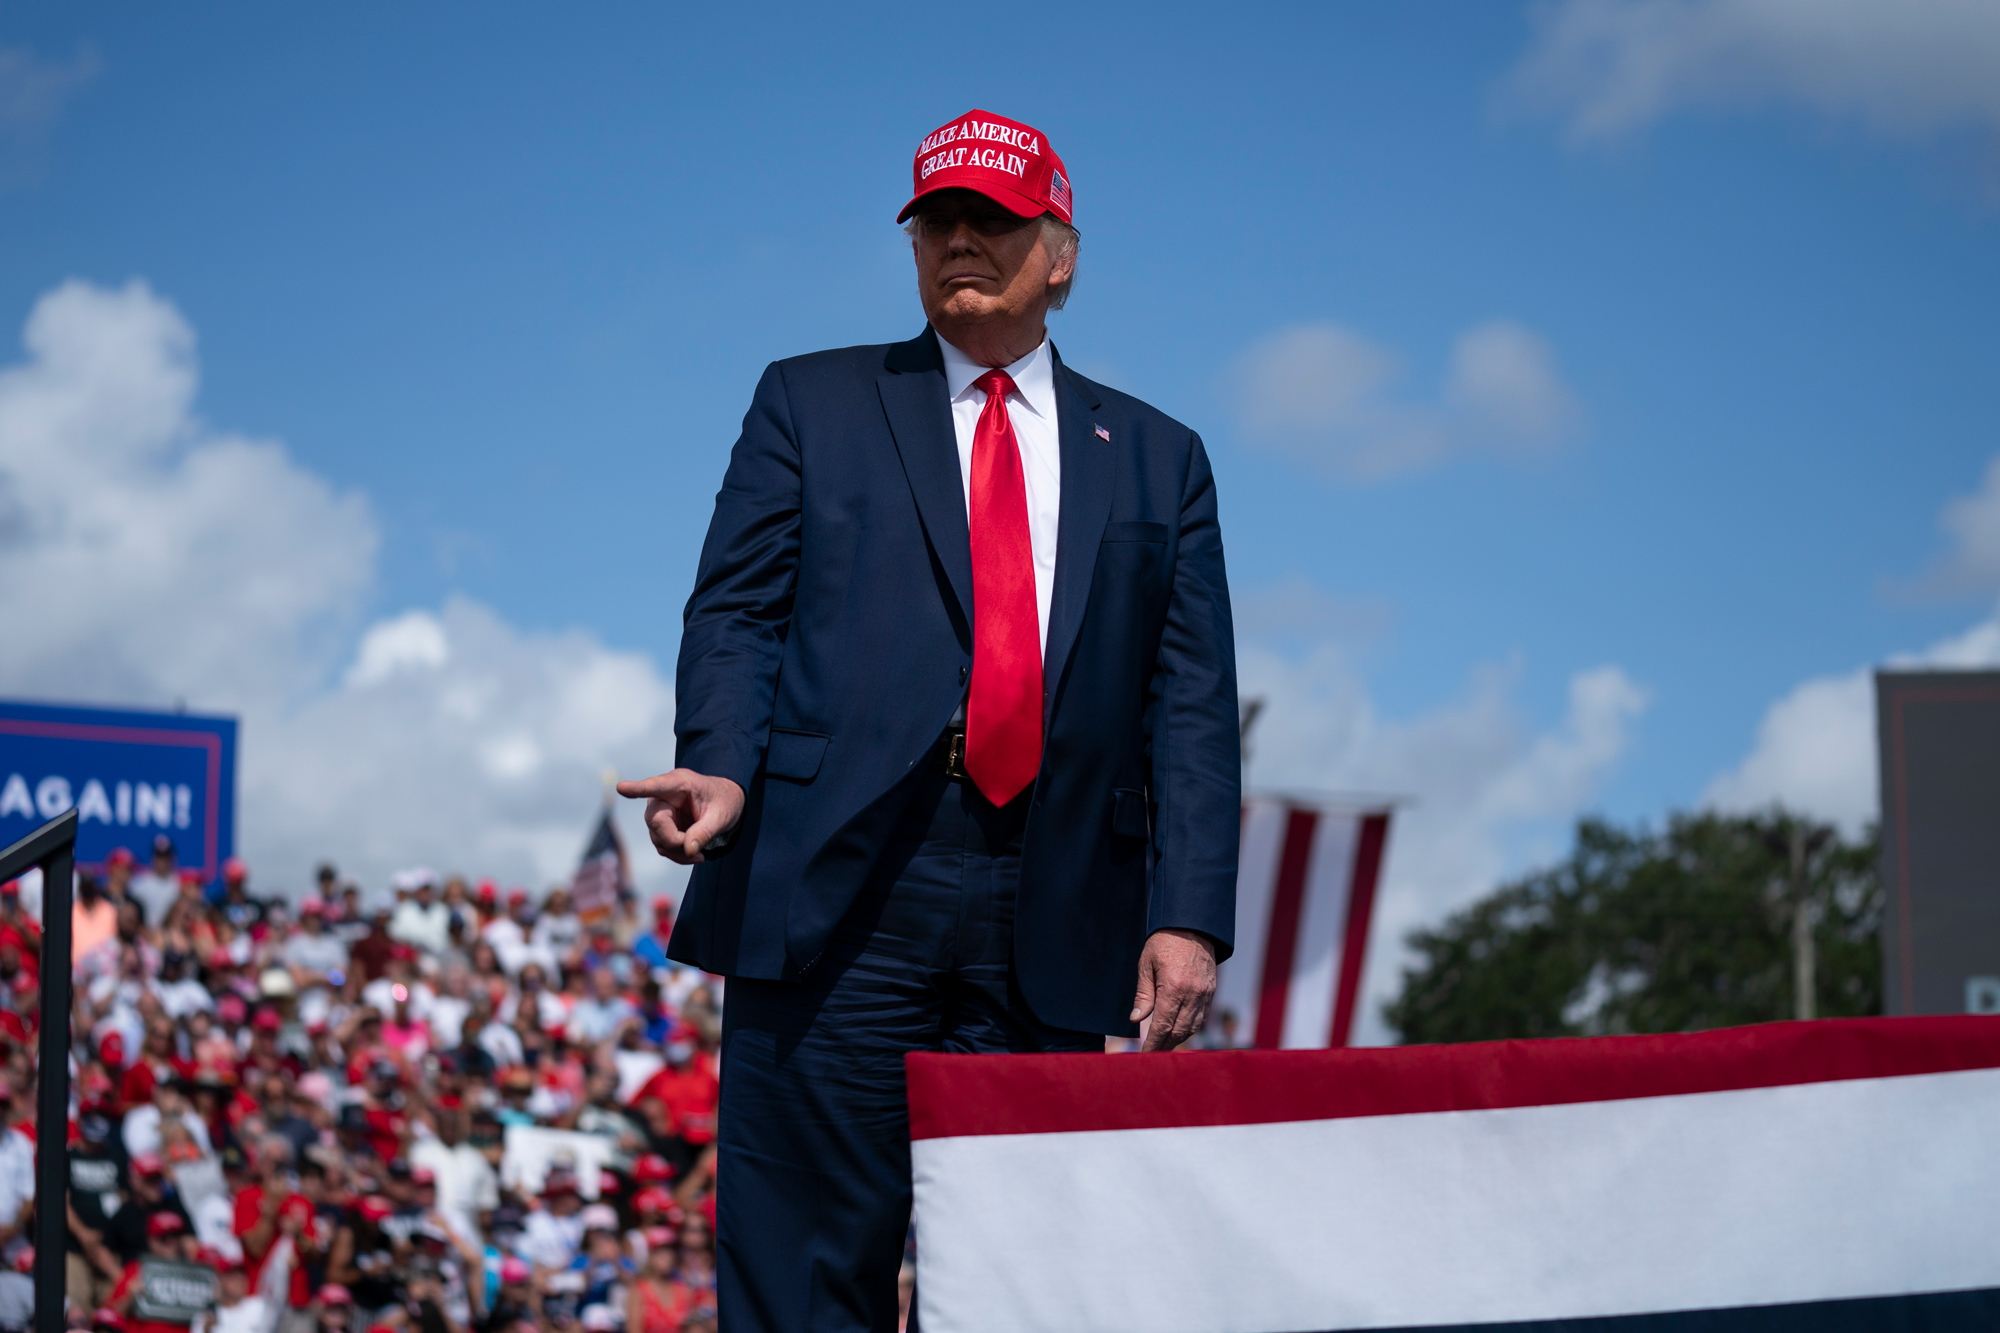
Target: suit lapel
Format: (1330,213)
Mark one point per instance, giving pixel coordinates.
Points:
(919,410)
(1088,470)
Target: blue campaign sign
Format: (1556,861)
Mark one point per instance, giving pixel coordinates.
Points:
(131,776)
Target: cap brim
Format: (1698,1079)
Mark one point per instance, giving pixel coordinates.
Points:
(1012,200)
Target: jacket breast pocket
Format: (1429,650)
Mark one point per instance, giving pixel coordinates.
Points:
(1136,531)
(794,755)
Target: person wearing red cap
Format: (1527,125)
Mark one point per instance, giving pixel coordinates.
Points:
(118,867)
(958,762)
(164,1290)
(651,947)
(125,1235)
(237,906)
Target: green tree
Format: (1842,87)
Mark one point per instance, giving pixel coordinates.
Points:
(1641,931)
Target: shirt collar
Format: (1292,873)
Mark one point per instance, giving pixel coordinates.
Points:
(1033,376)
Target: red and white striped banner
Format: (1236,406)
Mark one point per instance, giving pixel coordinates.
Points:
(1305,888)
(1837,1175)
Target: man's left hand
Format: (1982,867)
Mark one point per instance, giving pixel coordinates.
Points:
(1176,984)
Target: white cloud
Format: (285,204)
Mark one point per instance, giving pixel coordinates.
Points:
(1323,395)
(477,747)
(1972,523)
(145,558)
(1486,795)
(1909,69)
(413,641)
(1815,748)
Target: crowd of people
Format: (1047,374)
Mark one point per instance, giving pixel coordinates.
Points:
(449,1108)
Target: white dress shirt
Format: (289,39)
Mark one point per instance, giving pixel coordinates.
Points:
(1032,410)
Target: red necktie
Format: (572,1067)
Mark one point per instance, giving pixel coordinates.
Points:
(1003,715)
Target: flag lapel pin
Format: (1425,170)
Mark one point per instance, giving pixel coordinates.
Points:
(1102,434)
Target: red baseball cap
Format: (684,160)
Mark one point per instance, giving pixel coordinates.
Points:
(120,856)
(235,869)
(1008,162)
(650,1168)
(164,1224)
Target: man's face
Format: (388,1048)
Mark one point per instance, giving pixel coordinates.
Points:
(163,863)
(977,261)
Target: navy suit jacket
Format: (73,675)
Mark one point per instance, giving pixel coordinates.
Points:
(829,641)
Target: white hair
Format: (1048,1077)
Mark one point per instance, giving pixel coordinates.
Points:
(1058,237)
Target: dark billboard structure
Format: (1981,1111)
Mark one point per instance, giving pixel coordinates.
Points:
(130,776)
(1939,734)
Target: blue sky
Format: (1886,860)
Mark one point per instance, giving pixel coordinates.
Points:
(505,278)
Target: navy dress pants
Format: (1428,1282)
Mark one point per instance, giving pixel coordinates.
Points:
(813,1167)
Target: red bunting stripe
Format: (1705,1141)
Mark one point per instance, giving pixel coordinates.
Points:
(954,1095)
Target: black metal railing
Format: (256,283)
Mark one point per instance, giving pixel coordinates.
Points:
(53,848)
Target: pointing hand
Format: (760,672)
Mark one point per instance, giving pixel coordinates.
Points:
(686,811)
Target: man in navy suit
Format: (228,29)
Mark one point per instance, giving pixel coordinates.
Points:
(958,754)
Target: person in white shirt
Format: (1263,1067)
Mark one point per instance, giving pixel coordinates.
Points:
(420,921)
(141,1128)
(552,1234)
(557,929)
(467,1188)
(314,951)
(156,887)
(381,992)
(17,1171)
(496,1039)
(509,937)
(180,993)
(453,1003)
(236,1310)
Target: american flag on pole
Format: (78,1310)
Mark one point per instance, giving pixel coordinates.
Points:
(1305,889)
(602,873)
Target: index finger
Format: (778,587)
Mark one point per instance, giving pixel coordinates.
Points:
(664,784)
